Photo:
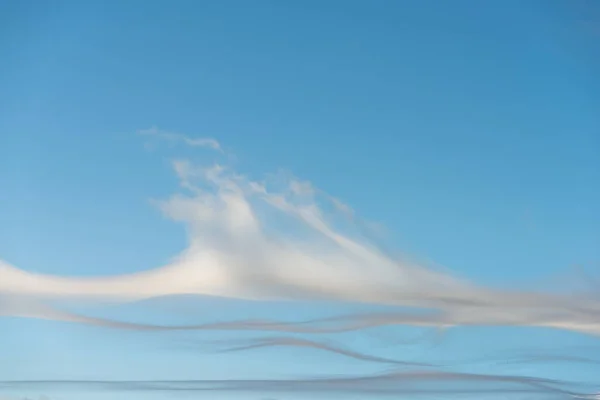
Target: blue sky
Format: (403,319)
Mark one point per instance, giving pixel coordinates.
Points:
(469,129)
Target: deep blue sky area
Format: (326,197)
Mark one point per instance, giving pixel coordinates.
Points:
(469,128)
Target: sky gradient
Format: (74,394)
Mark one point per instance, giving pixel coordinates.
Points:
(464,136)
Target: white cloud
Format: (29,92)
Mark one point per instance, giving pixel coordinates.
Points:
(231,253)
(236,250)
(279,238)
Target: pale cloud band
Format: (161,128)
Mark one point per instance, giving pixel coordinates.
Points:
(235,250)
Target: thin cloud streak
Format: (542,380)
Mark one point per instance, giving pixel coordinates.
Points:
(177,137)
(282,341)
(433,383)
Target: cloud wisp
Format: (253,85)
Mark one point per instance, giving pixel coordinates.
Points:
(278,240)
(284,341)
(282,239)
(154,132)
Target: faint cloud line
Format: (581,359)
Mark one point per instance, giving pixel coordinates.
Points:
(178,137)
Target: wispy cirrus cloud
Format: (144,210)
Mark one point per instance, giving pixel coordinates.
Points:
(268,240)
(280,238)
(177,137)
